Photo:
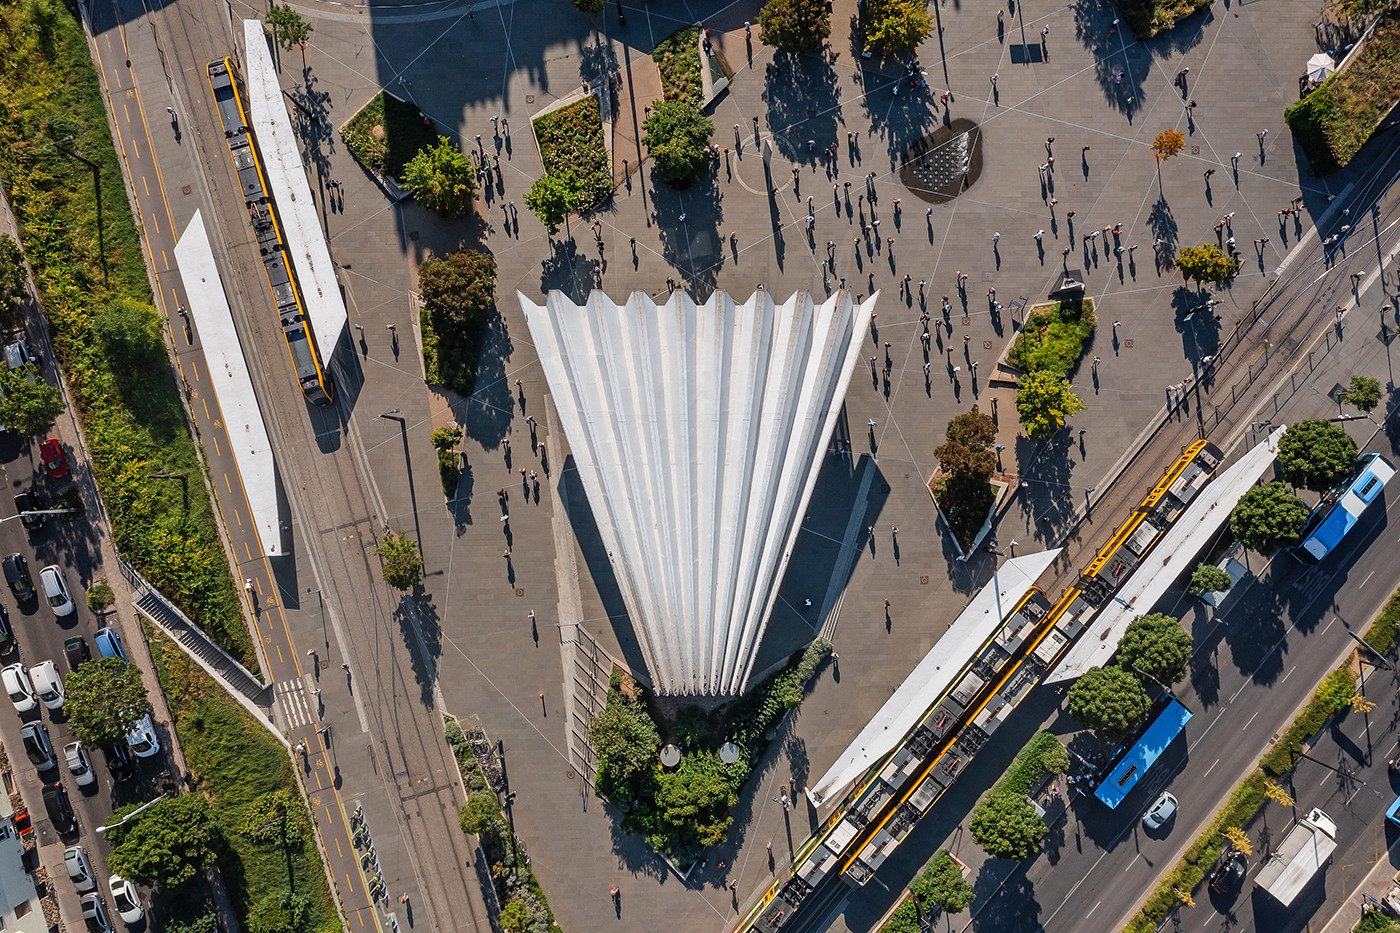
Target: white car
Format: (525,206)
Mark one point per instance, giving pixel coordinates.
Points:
(126,899)
(56,590)
(48,684)
(17,685)
(141,738)
(79,870)
(1160,812)
(79,764)
(95,915)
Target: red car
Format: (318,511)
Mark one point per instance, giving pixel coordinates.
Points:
(55,463)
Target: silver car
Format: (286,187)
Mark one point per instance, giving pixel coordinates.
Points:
(1161,812)
(79,869)
(79,764)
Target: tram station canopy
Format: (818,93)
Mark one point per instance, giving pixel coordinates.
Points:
(698,432)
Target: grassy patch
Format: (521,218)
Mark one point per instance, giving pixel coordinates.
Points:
(966,500)
(387,133)
(1148,17)
(1335,120)
(235,762)
(134,427)
(571,139)
(1381,634)
(1053,337)
(678,60)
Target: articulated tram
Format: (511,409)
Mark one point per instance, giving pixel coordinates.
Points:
(262,214)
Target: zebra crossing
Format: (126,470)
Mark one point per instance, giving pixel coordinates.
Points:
(295,705)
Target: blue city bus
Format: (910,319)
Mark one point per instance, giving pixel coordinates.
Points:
(1341,508)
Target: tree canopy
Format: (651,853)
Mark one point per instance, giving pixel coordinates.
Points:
(14,280)
(1316,455)
(168,843)
(1044,399)
(105,698)
(276,818)
(970,445)
(28,404)
(624,736)
(1208,578)
(590,6)
(795,25)
(460,289)
(1364,393)
(1158,646)
(893,27)
(554,196)
(1268,516)
(942,885)
(1167,144)
(1206,263)
(482,813)
(403,562)
(692,805)
(129,332)
(677,135)
(1007,826)
(288,27)
(1108,700)
(442,178)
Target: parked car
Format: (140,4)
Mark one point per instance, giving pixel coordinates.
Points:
(120,764)
(37,746)
(95,915)
(17,685)
(142,739)
(28,506)
(60,809)
(79,869)
(17,355)
(79,764)
(54,460)
(1160,812)
(56,590)
(126,898)
(48,684)
(1229,873)
(109,643)
(17,576)
(76,651)
(7,634)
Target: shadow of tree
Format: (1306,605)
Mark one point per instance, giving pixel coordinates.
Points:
(693,244)
(803,98)
(487,413)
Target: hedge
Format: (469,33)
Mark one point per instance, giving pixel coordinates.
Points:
(1053,337)
(1148,17)
(1381,635)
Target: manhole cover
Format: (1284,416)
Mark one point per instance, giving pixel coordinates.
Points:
(1128,344)
(923,581)
(966,319)
(986,345)
(1195,150)
(519,591)
(377,132)
(529,98)
(185,190)
(570,774)
(945,163)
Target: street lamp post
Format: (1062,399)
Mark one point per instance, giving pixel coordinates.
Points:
(103,829)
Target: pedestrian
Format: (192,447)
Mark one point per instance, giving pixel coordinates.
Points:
(733,885)
(1117,324)
(301,748)
(613,892)
(887,604)
(1044,33)
(1097,360)
(311,652)
(1209,172)
(996,237)
(1040,234)
(404,899)
(170,110)
(248,586)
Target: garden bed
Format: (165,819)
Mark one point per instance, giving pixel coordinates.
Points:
(1053,337)
(966,503)
(387,133)
(571,139)
(1146,18)
(1333,122)
(678,60)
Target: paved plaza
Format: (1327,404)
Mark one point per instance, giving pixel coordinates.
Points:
(1101,96)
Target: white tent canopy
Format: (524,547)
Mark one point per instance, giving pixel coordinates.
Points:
(1320,66)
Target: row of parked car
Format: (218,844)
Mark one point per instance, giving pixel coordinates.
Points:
(124,894)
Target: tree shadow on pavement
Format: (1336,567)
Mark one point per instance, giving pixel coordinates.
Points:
(486,415)
(1254,636)
(418,610)
(1007,901)
(1195,321)
(691,245)
(804,100)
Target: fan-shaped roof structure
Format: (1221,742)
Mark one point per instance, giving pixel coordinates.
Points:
(698,432)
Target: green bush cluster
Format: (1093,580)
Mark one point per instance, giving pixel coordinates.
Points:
(459,298)
(678,59)
(1146,18)
(1032,763)
(133,428)
(1053,337)
(1043,754)
(1331,697)
(403,132)
(571,140)
(1333,122)
(1381,634)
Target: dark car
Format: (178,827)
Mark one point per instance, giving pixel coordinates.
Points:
(120,764)
(76,651)
(1229,873)
(28,505)
(17,576)
(7,634)
(60,809)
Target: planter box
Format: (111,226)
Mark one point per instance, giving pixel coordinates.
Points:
(1000,488)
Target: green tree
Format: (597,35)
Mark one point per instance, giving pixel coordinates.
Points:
(1054,758)
(1268,516)
(1364,393)
(942,885)
(1206,263)
(276,818)
(28,404)
(893,27)
(1007,826)
(186,912)
(280,912)
(676,135)
(624,736)
(481,814)
(168,843)
(795,25)
(14,280)
(446,438)
(288,27)
(1158,646)
(1044,399)
(442,178)
(515,916)
(971,437)
(554,196)
(100,595)
(460,289)
(403,562)
(1316,455)
(105,698)
(692,806)
(129,333)
(1208,578)
(590,6)
(1108,700)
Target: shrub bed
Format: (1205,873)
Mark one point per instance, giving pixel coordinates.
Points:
(1337,118)
(966,500)
(1330,698)
(1148,17)
(678,60)
(236,764)
(133,426)
(459,297)
(685,810)
(1381,634)
(571,139)
(387,133)
(1053,337)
